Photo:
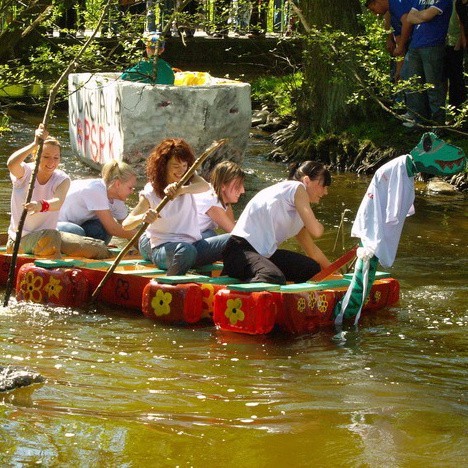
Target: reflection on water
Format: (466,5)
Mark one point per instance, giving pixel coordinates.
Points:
(122,390)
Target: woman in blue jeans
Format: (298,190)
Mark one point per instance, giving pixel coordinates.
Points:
(173,240)
(96,207)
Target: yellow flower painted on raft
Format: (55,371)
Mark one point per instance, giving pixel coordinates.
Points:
(53,287)
(31,287)
(207,298)
(322,303)
(311,300)
(160,303)
(301,304)
(234,312)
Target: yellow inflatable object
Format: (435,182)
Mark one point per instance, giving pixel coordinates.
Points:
(188,78)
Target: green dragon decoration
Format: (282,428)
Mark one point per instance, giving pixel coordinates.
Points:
(383,210)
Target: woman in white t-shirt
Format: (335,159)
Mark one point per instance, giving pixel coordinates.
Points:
(215,205)
(173,240)
(96,207)
(39,235)
(274,215)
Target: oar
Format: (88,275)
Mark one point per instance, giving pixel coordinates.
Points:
(336,265)
(53,93)
(198,162)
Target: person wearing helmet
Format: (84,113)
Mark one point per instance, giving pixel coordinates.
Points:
(152,70)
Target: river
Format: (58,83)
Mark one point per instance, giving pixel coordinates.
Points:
(124,391)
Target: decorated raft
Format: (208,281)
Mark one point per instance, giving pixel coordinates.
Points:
(137,285)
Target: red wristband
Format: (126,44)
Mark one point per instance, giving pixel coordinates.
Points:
(45,206)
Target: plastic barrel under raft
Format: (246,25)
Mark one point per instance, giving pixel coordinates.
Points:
(173,303)
(245,312)
(66,287)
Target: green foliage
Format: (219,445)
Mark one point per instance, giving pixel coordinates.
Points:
(278,93)
(364,61)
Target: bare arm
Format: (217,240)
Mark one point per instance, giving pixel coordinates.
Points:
(112,226)
(197,185)
(140,214)
(311,249)
(311,223)
(390,43)
(54,203)
(422,16)
(224,219)
(403,38)
(15,160)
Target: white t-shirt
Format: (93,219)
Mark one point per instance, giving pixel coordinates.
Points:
(204,202)
(270,218)
(87,196)
(37,221)
(383,210)
(177,221)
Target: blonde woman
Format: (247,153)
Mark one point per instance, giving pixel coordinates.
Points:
(215,205)
(96,207)
(39,235)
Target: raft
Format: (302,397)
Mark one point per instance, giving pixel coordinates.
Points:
(202,296)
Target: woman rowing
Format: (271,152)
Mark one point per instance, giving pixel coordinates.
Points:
(39,235)
(173,240)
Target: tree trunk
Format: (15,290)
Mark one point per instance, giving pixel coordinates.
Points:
(323,107)
(17,24)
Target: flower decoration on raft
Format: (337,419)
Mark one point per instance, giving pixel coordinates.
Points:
(208,297)
(31,287)
(161,303)
(233,311)
(53,287)
(322,303)
(301,304)
(122,289)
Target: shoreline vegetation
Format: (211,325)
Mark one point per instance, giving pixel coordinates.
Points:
(365,135)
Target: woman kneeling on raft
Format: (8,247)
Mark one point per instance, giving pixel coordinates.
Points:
(173,240)
(274,215)
(96,207)
(39,234)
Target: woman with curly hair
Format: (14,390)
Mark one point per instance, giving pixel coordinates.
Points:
(173,240)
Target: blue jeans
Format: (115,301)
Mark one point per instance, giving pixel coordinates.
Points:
(179,257)
(91,228)
(428,64)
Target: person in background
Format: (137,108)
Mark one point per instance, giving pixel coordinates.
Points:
(39,235)
(454,55)
(95,207)
(426,60)
(272,216)
(173,240)
(395,13)
(152,70)
(215,205)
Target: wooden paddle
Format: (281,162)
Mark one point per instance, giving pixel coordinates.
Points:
(198,162)
(336,265)
(53,93)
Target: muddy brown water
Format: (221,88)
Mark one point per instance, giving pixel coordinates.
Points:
(124,391)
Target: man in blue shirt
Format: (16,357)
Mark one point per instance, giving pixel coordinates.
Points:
(426,57)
